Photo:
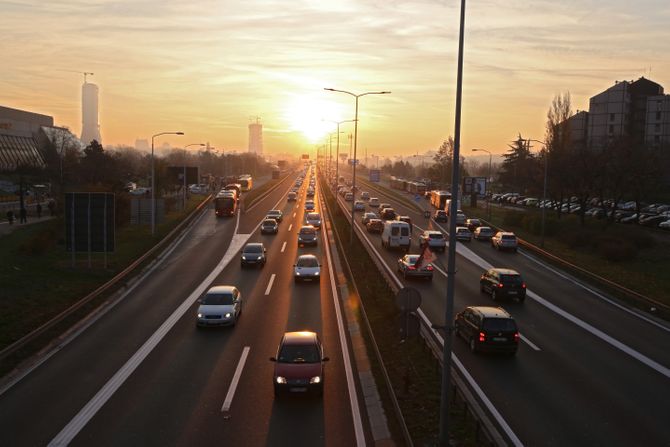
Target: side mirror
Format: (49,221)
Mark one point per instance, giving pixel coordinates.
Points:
(272,359)
(325,359)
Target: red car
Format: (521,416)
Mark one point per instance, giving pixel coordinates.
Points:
(299,364)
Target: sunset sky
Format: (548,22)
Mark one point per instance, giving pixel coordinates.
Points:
(207,67)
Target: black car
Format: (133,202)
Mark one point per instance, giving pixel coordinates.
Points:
(489,329)
(253,254)
(503,283)
(388,214)
(473,224)
(269,226)
(441,216)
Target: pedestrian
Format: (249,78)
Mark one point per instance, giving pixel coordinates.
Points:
(24,215)
(10,217)
(38,208)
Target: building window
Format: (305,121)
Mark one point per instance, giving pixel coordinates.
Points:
(657,139)
(659,115)
(611,130)
(657,128)
(611,117)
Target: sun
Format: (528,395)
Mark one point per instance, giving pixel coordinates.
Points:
(309,115)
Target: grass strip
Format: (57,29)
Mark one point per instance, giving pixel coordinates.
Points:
(413,370)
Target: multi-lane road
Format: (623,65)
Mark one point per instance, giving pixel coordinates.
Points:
(588,372)
(143,374)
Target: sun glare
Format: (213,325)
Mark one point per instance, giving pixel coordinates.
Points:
(310,115)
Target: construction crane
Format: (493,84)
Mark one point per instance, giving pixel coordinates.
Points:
(85,73)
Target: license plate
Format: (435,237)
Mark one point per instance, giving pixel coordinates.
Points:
(300,389)
(512,292)
(499,339)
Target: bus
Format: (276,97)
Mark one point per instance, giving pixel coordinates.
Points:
(225,205)
(246,182)
(439,199)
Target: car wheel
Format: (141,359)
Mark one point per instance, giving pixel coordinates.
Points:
(522,299)
(296,279)
(242,265)
(473,345)
(494,295)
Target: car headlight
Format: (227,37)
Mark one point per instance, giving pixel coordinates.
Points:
(244,258)
(200,315)
(315,379)
(228,315)
(280,379)
(316,273)
(297,273)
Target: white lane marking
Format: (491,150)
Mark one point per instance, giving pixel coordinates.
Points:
(293,214)
(596,293)
(78,422)
(269,287)
(530,343)
(236,378)
(289,227)
(351,385)
(283,247)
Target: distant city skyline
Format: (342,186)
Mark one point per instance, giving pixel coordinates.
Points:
(205,71)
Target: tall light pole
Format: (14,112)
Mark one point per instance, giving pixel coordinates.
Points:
(488,200)
(337,151)
(353,181)
(184,175)
(544,188)
(153,180)
(445,396)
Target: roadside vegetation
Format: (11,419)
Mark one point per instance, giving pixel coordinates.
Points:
(414,372)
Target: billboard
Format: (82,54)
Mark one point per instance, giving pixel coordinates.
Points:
(476,185)
(175,175)
(89,222)
(375,175)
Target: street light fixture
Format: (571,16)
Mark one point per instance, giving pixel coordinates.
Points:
(488,200)
(544,188)
(153,180)
(353,181)
(337,152)
(184,175)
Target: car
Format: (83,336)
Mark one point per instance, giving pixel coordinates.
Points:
(473,224)
(388,214)
(365,195)
(408,268)
(504,240)
(309,205)
(441,216)
(359,205)
(307,235)
(487,328)
(375,226)
(310,191)
(460,218)
(307,268)
(253,254)
(299,364)
(652,221)
(463,234)
(313,219)
(664,225)
(405,219)
(269,226)
(396,234)
(367,216)
(483,233)
(221,306)
(292,197)
(276,215)
(503,283)
(374,202)
(384,205)
(348,197)
(434,239)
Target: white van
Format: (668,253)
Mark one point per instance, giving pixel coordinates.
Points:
(396,234)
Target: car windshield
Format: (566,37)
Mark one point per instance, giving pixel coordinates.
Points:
(270,222)
(313,216)
(514,280)
(436,236)
(253,249)
(508,237)
(274,213)
(411,259)
(499,324)
(299,354)
(307,262)
(307,231)
(218,299)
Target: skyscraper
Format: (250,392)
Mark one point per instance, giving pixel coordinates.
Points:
(256,137)
(90,128)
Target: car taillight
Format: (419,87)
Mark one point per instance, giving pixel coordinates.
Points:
(500,285)
(523,285)
(411,267)
(429,268)
(482,337)
(516,337)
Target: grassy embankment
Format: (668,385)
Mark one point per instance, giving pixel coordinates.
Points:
(414,372)
(38,281)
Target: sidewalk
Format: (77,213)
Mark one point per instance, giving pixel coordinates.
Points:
(6,228)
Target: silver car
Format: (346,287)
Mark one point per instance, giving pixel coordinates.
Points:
(307,235)
(307,268)
(313,219)
(221,306)
(434,239)
(504,241)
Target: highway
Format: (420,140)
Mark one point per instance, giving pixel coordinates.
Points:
(588,372)
(143,374)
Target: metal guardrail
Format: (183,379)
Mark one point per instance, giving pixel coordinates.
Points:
(11,349)
(491,432)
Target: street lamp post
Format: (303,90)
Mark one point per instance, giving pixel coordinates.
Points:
(184,175)
(488,200)
(153,180)
(337,151)
(544,187)
(353,181)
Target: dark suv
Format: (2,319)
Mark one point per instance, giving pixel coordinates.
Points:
(488,329)
(503,283)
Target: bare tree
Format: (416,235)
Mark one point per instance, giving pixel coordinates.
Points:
(558,144)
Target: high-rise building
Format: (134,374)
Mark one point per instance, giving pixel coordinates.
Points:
(90,128)
(256,137)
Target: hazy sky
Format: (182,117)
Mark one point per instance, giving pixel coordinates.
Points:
(207,67)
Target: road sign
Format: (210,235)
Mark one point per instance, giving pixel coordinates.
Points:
(375,175)
(408,299)
(89,222)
